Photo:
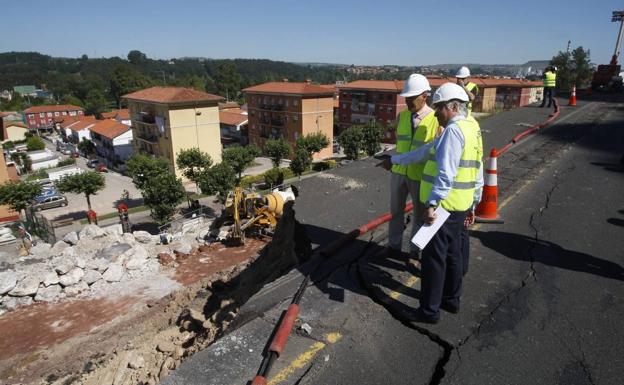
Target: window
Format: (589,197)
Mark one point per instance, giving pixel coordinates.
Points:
(79,112)
(72,113)
(42,114)
(57,113)
(286,102)
(295,102)
(295,118)
(49,114)
(344,105)
(31,116)
(64,113)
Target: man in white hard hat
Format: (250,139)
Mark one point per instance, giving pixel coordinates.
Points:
(463,80)
(417,126)
(452,179)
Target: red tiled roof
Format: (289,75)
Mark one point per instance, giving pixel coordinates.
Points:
(81,124)
(7,113)
(232,118)
(15,124)
(385,85)
(123,114)
(172,95)
(290,88)
(68,120)
(52,108)
(228,105)
(109,128)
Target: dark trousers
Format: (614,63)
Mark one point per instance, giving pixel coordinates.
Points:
(548,92)
(442,267)
(465,249)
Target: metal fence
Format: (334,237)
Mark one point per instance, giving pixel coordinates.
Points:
(40,226)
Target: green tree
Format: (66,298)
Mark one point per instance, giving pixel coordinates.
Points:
(227,80)
(86,146)
(301,162)
(35,143)
(274,177)
(572,68)
(193,81)
(141,168)
(371,138)
(136,57)
(239,158)
(351,141)
(8,145)
(277,149)
(95,102)
(313,142)
(71,99)
(193,162)
(18,195)
(87,183)
(218,180)
(162,195)
(126,79)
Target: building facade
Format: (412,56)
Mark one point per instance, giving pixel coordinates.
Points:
(42,117)
(113,142)
(289,110)
(166,120)
(371,101)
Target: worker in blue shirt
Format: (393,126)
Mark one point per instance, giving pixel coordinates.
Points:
(452,179)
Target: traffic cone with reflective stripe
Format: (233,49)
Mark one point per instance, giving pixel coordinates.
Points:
(572,101)
(487,209)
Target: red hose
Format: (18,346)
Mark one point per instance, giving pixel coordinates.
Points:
(280,338)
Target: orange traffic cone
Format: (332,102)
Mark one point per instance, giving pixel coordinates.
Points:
(572,101)
(487,209)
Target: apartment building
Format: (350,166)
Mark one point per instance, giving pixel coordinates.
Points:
(368,101)
(289,110)
(113,142)
(42,117)
(166,120)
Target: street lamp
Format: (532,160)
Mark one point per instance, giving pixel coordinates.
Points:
(615,17)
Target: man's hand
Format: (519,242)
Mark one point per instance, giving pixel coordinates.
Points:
(470,219)
(386,163)
(429,215)
(460,82)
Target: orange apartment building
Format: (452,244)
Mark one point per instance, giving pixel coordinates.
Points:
(289,110)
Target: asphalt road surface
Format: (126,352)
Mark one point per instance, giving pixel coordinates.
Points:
(543,300)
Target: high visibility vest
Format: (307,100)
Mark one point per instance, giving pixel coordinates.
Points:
(461,196)
(550,79)
(409,141)
(470,87)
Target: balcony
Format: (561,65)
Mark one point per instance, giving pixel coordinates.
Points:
(277,122)
(272,107)
(147,137)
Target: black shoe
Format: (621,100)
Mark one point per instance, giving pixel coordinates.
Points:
(419,316)
(449,308)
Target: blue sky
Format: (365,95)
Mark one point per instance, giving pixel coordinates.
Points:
(351,32)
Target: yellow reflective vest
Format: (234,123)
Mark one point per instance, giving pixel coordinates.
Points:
(461,195)
(475,90)
(409,141)
(550,79)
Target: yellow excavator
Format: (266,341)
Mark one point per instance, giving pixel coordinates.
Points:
(249,212)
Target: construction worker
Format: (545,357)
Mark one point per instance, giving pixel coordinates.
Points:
(451,175)
(472,90)
(550,81)
(417,126)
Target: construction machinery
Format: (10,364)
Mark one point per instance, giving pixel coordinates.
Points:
(608,75)
(252,213)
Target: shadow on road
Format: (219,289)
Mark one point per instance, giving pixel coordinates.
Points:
(132,202)
(548,253)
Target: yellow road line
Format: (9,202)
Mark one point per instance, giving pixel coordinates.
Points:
(411,281)
(304,358)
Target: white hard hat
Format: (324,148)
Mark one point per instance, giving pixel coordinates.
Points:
(415,85)
(463,72)
(449,91)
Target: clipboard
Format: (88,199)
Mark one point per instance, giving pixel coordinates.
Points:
(426,232)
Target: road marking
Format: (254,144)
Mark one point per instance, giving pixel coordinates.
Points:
(304,358)
(411,281)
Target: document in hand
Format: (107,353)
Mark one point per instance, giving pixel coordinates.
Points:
(426,232)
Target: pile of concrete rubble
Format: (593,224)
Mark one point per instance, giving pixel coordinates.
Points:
(90,263)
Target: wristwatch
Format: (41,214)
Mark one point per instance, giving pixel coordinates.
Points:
(431,204)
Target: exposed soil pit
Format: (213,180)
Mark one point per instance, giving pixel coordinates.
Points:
(143,332)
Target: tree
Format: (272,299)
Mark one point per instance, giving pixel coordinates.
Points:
(193,162)
(136,57)
(228,80)
(277,149)
(193,81)
(18,195)
(162,195)
(126,79)
(218,180)
(141,168)
(86,146)
(351,141)
(313,142)
(35,143)
(371,137)
(239,158)
(301,162)
(71,99)
(95,102)
(274,177)
(572,68)
(87,183)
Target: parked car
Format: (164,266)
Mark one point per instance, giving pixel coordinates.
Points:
(47,191)
(49,203)
(92,163)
